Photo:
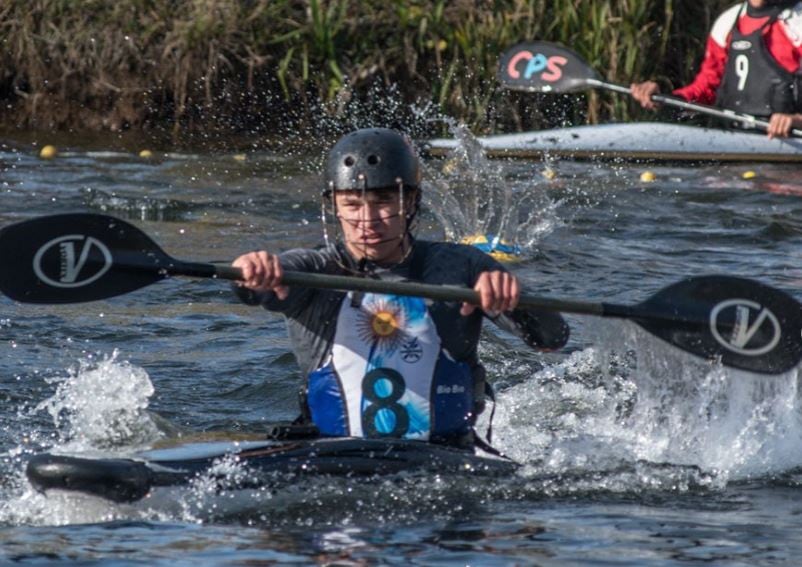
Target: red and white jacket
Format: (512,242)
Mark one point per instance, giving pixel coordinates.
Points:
(783,40)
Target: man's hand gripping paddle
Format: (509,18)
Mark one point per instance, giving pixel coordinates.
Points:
(86,257)
(544,67)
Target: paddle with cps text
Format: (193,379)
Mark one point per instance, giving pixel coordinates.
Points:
(73,258)
(540,66)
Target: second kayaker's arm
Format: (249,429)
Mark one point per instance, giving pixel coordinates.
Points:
(546,67)
(751,64)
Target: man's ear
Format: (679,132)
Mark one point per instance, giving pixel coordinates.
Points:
(411,202)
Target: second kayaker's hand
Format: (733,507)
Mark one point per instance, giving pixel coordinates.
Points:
(780,124)
(498,292)
(261,272)
(642,92)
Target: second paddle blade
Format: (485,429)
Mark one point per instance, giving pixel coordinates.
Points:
(543,67)
(76,257)
(746,324)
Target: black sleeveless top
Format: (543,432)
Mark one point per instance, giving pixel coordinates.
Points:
(754,82)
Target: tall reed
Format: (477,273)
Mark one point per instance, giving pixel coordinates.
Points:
(249,64)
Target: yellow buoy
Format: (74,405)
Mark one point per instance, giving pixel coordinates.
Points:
(146,154)
(647,177)
(240,157)
(549,173)
(48,152)
(449,166)
(749,175)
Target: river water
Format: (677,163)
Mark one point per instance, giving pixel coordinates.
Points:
(634,452)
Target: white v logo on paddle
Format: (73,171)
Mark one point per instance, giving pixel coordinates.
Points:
(739,331)
(70,267)
(63,261)
(743,332)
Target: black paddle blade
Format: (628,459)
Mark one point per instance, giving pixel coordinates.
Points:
(76,257)
(748,325)
(543,67)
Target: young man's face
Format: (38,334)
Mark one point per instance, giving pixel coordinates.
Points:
(373,223)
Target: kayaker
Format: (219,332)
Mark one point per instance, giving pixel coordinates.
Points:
(751,65)
(379,365)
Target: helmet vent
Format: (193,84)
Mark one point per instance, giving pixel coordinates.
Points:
(372,158)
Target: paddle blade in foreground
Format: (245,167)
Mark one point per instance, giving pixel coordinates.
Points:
(76,257)
(543,67)
(748,325)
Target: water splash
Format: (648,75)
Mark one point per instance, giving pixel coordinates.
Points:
(136,207)
(101,405)
(26,506)
(218,491)
(470,195)
(732,422)
(650,418)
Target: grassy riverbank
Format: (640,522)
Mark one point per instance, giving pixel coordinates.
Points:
(268,65)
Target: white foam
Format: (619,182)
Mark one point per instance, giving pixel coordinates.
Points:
(596,411)
(101,404)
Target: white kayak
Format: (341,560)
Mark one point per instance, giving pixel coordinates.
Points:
(647,141)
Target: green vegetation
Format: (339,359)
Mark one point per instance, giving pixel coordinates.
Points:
(261,65)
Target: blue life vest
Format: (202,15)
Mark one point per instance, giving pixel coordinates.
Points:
(388,376)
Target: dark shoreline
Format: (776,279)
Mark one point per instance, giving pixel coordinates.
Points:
(209,70)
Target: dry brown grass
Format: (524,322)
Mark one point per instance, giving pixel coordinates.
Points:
(249,64)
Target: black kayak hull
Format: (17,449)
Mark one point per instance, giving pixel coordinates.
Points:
(129,480)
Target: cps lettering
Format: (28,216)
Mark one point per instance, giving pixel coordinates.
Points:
(549,68)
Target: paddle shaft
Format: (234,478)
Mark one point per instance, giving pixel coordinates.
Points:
(671,323)
(430,291)
(72,258)
(701,108)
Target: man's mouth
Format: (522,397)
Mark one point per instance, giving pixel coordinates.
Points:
(372,238)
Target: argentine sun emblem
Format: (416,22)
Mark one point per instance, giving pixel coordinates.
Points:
(382,322)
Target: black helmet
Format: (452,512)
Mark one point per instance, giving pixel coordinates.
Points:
(372,158)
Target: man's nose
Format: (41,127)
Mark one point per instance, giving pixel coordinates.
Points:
(370,213)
